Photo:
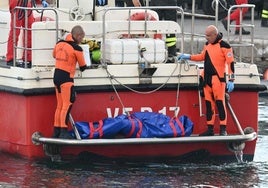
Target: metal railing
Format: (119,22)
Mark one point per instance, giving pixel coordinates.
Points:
(25,11)
(242,44)
(146,8)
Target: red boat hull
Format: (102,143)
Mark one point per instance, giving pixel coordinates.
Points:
(23,115)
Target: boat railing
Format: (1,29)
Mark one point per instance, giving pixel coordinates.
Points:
(181,34)
(193,34)
(146,9)
(24,12)
(241,43)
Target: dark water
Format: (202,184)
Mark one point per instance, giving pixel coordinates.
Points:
(17,172)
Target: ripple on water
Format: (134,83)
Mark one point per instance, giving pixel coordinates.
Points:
(262,110)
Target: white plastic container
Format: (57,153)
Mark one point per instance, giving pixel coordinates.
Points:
(155,50)
(119,51)
(86,53)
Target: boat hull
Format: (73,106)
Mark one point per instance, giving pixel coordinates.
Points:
(23,115)
(192,152)
(112,87)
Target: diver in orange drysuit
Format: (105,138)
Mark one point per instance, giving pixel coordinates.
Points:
(20,22)
(67,53)
(216,54)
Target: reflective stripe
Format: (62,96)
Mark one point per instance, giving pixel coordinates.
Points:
(265,11)
(171,44)
(171,39)
(264,14)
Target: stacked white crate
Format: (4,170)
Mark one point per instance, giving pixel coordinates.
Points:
(127,51)
(155,50)
(119,51)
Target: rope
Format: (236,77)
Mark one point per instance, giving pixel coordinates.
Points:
(3,42)
(117,94)
(186,68)
(142,92)
(220,3)
(176,111)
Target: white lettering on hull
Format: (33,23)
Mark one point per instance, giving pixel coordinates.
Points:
(118,111)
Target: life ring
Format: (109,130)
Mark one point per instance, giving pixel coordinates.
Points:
(143,16)
(42,19)
(265,75)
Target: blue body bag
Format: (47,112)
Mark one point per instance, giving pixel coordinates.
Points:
(137,125)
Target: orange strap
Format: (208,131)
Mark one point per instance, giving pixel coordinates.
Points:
(180,126)
(98,129)
(133,127)
(172,125)
(140,128)
(91,128)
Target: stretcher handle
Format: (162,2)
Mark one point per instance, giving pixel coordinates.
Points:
(77,135)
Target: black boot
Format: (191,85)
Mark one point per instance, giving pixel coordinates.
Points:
(10,63)
(244,32)
(223,130)
(172,51)
(64,134)
(208,132)
(56,132)
(264,23)
(224,23)
(172,54)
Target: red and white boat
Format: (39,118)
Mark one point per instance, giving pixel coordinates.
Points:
(120,83)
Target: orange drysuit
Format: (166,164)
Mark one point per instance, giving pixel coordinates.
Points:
(67,53)
(215,56)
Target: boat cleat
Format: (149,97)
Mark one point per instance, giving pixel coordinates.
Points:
(240,145)
(236,146)
(53,151)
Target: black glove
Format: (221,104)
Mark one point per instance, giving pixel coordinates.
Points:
(84,68)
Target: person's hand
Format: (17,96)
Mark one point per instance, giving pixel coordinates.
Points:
(230,86)
(184,56)
(84,68)
(44,3)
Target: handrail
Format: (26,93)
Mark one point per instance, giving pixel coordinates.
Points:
(26,29)
(194,16)
(240,43)
(178,9)
(251,26)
